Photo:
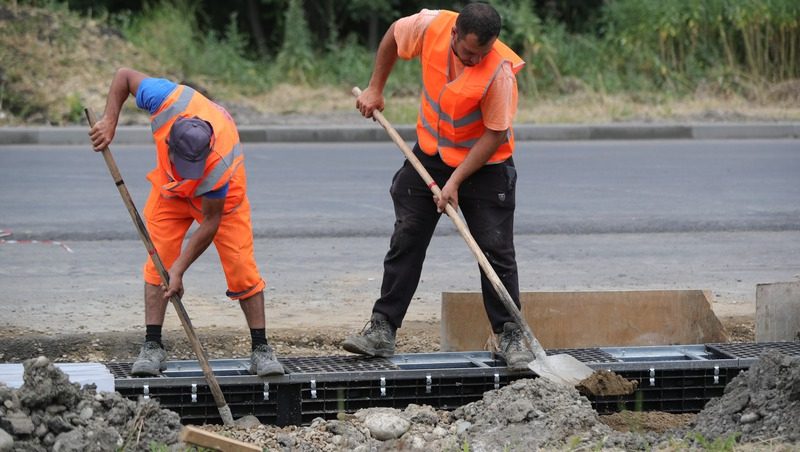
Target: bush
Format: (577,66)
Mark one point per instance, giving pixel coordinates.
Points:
(170,32)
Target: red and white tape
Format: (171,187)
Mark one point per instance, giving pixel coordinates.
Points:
(5,233)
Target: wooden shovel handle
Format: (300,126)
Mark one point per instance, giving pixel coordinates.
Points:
(483,262)
(197,347)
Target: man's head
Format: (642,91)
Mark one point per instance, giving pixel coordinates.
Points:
(189,144)
(476,29)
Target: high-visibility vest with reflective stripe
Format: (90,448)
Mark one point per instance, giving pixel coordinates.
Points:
(450,120)
(225,162)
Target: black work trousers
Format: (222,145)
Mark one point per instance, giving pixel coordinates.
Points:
(487,201)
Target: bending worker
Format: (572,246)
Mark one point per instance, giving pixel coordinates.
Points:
(465,141)
(199,176)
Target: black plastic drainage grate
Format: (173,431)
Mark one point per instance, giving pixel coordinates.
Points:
(754,350)
(120,369)
(668,390)
(675,379)
(585,355)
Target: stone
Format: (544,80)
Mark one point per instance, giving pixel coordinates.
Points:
(6,441)
(421,414)
(86,413)
(462,426)
(517,411)
(247,422)
(386,426)
(749,418)
(18,423)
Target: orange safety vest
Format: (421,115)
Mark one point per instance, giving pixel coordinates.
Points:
(225,162)
(450,120)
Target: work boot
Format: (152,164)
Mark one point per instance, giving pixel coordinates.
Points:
(151,361)
(263,362)
(375,339)
(513,347)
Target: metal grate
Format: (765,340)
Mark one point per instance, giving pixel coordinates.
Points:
(318,364)
(120,369)
(585,355)
(753,350)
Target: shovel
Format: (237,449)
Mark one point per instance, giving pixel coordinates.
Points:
(197,347)
(562,369)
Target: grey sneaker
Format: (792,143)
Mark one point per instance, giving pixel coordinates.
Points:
(376,339)
(151,361)
(513,347)
(263,362)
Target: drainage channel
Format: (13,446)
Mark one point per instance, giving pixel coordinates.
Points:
(676,379)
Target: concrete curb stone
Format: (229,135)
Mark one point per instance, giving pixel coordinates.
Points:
(72,135)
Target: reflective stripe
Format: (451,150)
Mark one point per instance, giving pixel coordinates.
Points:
(468,119)
(216,174)
(475,116)
(173,110)
(444,142)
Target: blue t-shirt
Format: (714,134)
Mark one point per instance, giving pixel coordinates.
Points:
(150,96)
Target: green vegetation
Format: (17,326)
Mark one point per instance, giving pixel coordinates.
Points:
(648,52)
(636,45)
(170,33)
(721,444)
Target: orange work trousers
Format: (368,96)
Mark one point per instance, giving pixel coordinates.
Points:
(168,220)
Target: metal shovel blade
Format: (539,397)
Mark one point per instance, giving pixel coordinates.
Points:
(562,369)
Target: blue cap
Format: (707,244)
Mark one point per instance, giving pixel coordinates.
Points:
(189,145)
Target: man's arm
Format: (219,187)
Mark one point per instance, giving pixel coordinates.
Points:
(480,153)
(372,97)
(125,82)
(201,238)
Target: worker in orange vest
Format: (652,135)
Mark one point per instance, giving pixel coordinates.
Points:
(199,176)
(465,141)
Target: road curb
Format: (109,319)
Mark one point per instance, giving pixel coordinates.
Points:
(369,133)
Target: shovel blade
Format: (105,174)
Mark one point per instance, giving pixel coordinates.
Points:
(562,369)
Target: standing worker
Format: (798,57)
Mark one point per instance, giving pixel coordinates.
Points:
(465,141)
(199,176)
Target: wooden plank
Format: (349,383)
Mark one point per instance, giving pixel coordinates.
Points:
(199,437)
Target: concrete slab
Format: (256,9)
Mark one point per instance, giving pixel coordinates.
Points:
(82,373)
(778,312)
(589,319)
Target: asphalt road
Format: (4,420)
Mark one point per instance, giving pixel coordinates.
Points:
(715,215)
(341,190)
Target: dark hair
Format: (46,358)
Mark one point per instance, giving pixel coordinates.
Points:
(481,19)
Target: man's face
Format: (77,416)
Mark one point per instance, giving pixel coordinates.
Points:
(467,49)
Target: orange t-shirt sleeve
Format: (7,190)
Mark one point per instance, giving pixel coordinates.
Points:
(409,31)
(499,105)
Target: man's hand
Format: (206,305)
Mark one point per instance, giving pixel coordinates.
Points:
(449,196)
(125,82)
(102,133)
(371,99)
(175,285)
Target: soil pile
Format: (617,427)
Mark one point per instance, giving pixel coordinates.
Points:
(761,404)
(525,415)
(606,383)
(49,413)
